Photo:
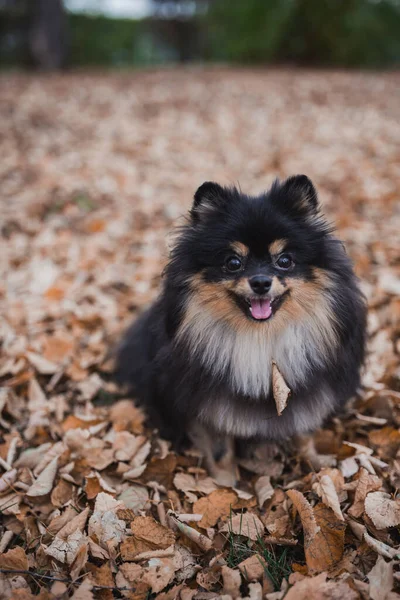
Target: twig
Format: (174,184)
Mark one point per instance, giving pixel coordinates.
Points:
(66,580)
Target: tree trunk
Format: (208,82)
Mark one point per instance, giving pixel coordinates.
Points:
(48,34)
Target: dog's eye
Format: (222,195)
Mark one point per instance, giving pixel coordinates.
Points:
(233,263)
(284,261)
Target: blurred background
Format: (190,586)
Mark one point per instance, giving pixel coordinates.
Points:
(121,33)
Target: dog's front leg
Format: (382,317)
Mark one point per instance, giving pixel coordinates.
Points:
(218,451)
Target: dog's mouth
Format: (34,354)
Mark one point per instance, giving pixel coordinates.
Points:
(261,309)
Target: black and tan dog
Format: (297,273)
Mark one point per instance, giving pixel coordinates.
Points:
(251,280)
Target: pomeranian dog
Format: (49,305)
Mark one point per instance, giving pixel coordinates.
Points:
(250,281)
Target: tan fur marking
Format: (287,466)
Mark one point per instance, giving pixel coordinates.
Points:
(240,249)
(214,298)
(277,288)
(277,247)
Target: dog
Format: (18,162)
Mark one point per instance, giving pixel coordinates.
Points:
(250,281)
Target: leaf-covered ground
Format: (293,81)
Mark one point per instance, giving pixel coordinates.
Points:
(95,171)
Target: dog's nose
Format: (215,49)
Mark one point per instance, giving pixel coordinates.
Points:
(260,284)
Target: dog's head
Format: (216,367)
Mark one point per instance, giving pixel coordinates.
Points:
(253,261)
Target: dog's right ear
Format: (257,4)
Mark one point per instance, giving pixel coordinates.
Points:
(209,198)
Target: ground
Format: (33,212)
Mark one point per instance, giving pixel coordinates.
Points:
(96,171)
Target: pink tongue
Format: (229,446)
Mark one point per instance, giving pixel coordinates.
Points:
(260,309)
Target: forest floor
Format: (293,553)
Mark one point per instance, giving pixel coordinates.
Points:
(96,169)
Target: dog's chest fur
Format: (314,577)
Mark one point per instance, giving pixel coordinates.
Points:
(244,357)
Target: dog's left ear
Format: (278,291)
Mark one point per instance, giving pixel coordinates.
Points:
(209,198)
(298,193)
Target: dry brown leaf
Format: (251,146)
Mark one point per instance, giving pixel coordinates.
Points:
(59,347)
(189,566)
(280,389)
(135,498)
(102,576)
(380,579)
(253,568)
(215,506)
(209,578)
(231,581)
(263,489)
(66,550)
(14,559)
(326,490)
(201,540)
(187,483)
(306,514)
(104,525)
(126,445)
(318,588)
(380,547)
(382,510)
(247,524)
(152,533)
(31,457)
(366,483)
(84,591)
(161,470)
(80,561)
(326,548)
(76,524)
(41,364)
(62,493)
(7,480)
(44,483)
(323,534)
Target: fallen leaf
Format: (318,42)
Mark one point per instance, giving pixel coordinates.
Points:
(14,559)
(280,390)
(253,568)
(231,581)
(152,533)
(215,506)
(78,523)
(161,470)
(126,445)
(366,483)
(41,364)
(326,490)
(323,534)
(104,525)
(306,514)
(264,489)
(318,588)
(380,579)
(382,510)
(44,483)
(380,547)
(187,484)
(66,550)
(135,497)
(247,524)
(80,561)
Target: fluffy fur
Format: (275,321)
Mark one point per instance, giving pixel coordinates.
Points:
(201,356)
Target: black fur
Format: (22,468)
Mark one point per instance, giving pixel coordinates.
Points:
(167,375)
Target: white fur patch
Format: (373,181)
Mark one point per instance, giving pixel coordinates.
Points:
(245,356)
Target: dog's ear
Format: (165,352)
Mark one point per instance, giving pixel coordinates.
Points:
(209,198)
(299,194)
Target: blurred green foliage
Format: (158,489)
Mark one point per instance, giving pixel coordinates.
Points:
(97,40)
(315,32)
(339,33)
